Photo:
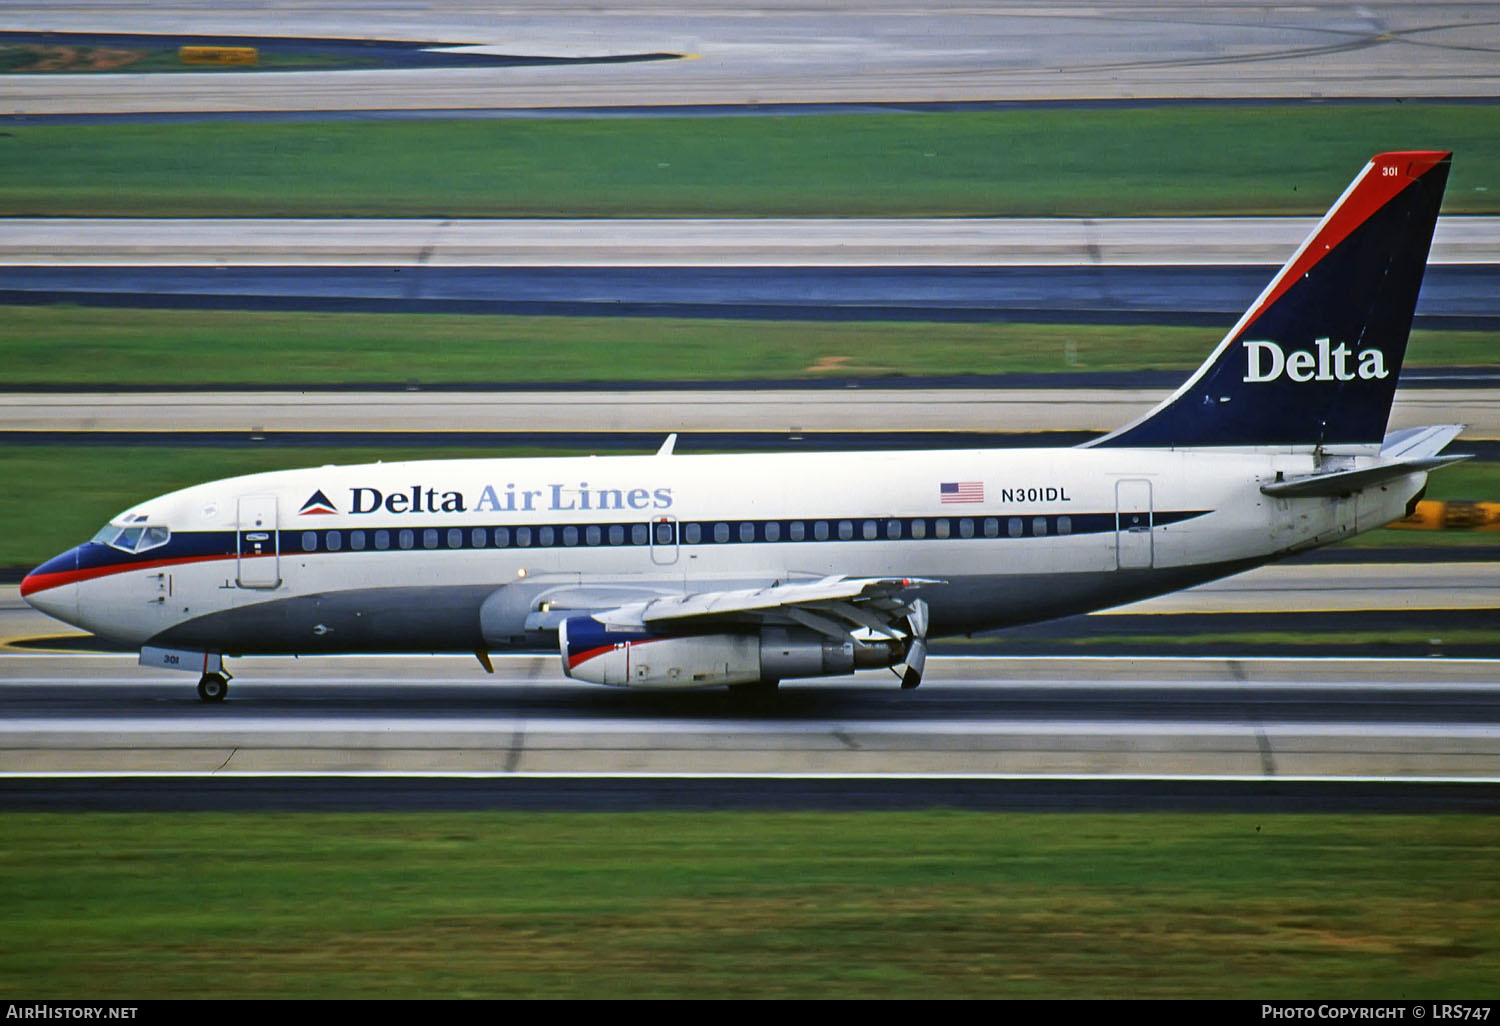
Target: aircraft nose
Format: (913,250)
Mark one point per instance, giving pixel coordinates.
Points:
(52,587)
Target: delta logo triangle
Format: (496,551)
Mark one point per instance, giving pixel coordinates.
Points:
(317,504)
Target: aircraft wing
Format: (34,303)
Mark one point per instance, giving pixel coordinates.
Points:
(833,606)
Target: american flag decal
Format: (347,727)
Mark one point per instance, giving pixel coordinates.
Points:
(961,491)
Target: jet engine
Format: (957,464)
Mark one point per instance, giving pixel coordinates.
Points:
(631,657)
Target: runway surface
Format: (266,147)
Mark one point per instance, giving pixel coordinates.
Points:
(1242,719)
(1464,297)
(1152,270)
(689,242)
(791,410)
(811,51)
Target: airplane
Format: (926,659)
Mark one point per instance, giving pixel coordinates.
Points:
(678,571)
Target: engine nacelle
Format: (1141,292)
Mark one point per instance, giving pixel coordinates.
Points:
(593,652)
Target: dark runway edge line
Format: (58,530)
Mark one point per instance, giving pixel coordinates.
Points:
(1321,635)
(645,442)
(1455,296)
(1167,380)
(718,110)
(341,54)
(620,794)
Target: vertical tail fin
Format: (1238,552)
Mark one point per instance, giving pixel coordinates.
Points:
(1315,359)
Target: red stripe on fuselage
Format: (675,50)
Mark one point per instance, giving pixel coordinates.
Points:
(32,583)
(1373,190)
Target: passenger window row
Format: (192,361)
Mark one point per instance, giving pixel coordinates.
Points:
(692,532)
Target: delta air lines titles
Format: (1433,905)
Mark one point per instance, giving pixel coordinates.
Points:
(553,498)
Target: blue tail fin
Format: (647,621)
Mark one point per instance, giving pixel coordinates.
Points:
(1315,359)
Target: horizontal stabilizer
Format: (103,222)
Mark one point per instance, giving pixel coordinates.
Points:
(1415,443)
(1409,451)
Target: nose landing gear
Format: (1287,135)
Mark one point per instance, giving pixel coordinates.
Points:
(212,687)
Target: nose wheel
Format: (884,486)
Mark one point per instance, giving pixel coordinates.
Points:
(212,687)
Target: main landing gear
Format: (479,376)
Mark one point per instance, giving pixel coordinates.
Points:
(212,687)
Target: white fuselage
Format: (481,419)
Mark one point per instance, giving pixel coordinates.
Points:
(463,554)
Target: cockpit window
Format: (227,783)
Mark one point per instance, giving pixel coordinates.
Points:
(133,538)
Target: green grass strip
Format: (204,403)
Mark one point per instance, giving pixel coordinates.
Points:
(68,345)
(70,492)
(750,905)
(1176,160)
